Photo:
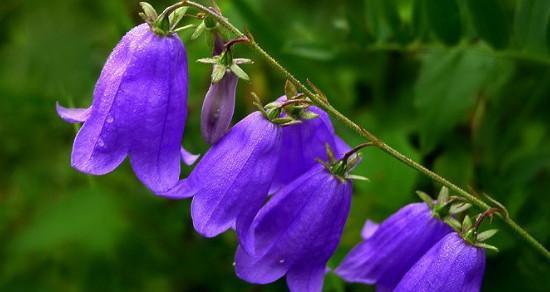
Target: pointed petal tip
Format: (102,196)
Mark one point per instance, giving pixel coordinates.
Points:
(187,157)
(182,190)
(73,115)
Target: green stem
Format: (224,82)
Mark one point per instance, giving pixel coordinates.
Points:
(319,101)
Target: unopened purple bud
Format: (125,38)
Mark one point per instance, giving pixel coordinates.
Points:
(219,102)
(218,108)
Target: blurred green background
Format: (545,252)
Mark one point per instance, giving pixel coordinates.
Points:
(461,85)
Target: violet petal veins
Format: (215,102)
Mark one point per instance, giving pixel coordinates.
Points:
(139,110)
(234,175)
(296,232)
(399,241)
(450,265)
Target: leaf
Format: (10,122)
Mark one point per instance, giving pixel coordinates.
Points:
(447,87)
(531,24)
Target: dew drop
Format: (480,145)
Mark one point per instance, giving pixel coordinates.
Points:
(100,142)
(282,261)
(110,119)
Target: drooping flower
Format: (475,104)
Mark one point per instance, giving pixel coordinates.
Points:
(219,102)
(296,232)
(234,175)
(138,110)
(398,242)
(304,144)
(450,265)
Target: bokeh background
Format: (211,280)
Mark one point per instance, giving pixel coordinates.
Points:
(460,85)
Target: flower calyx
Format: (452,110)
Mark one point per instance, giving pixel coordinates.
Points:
(341,168)
(225,62)
(166,23)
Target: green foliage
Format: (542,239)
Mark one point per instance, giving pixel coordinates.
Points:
(460,85)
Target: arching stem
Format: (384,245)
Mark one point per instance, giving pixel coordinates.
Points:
(318,99)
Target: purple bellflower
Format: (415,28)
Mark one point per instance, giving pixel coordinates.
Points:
(219,102)
(450,265)
(138,110)
(296,232)
(396,244)
(234,175)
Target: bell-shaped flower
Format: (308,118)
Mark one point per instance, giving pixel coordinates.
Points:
(219,102)
(139,110)
(234,175)
(296,232)
(396,244)
(304,144)
(452,264)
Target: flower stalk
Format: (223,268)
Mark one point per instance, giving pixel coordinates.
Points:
(319,99)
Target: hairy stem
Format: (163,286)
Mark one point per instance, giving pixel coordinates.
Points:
(319,100)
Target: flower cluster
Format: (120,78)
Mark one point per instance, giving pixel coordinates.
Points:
(280,177)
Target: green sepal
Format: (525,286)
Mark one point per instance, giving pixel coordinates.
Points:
(198,31)
(455,224)
(218,72)
(240,61)
(176,16)
(443,196)
(357,177)
(426,198)
(308,115)
(239,72)
(487,246)
(185,27)
(290,90)
(483,236)
(466,223)
(208,60)
(282,121)
(149,12)
(293,122)
(459,208)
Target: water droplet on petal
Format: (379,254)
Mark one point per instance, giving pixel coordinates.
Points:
(110,119)
(100,142)
(282,261)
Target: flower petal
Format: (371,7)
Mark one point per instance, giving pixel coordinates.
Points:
(308,278)
(259,270)
(234,176)
(396,245)
(299,226)
(187,157)
(73,115)
(155,153)
(368,229)
(303,144)
(103,141)
(450,265)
